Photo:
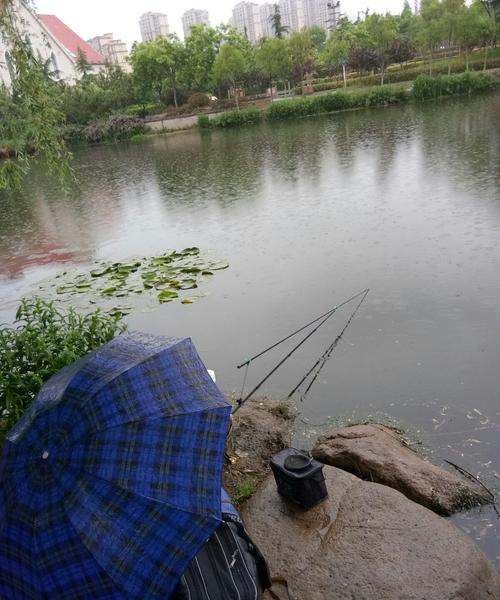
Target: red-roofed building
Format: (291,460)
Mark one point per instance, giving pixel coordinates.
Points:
(53,42)
(71,40)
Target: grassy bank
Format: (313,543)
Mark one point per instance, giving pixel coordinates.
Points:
(424,88)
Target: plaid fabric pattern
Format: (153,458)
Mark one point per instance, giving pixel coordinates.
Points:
(111,482)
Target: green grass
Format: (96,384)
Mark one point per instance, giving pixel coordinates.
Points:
(244,491)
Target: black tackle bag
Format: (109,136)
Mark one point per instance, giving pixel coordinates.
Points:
(228,567)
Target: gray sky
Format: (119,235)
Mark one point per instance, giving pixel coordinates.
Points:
(94,17)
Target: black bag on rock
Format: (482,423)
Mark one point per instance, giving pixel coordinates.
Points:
(228,567)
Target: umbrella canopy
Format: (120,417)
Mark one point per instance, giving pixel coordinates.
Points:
(111,483)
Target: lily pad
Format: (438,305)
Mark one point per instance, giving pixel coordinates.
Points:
(167,296)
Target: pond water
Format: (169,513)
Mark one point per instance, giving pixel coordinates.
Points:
(404,201)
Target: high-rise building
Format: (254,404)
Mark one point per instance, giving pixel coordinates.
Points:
(153,25)
(292,14)
(321,13)
(114,51)
(192,17)
(266,13)
(246,20)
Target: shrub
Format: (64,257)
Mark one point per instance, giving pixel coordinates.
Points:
(73,134)
(44,341)
(117,127)
(143,110)
(425,87)
(236,118)
(198,100)
(203,122)
(335,101)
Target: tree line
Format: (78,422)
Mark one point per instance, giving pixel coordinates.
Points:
(213,60)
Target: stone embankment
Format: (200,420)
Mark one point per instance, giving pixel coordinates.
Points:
(367,541)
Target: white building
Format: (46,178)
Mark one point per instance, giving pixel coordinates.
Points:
(266,13)
(322,13)
(153,25)
(193,17)
(114,51)
(53,42)
(292,14)
(246,20)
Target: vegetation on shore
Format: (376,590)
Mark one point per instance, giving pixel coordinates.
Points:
(176,77)
(424,87)
(43,341)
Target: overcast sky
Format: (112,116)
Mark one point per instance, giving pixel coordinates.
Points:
(95,17)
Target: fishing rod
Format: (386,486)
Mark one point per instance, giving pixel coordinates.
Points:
(332,310)
(323,319)
(328,353)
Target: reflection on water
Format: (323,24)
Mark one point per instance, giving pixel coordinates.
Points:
(403,200)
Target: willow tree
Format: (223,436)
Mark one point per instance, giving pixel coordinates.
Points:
(30,118)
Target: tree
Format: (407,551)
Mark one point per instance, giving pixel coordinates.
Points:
(277,24)
(30,119)
(318,38)
(474,28)
(273,60)
(82,64)
(381,34)
(302,54)
(339,47)
(159,64)
(230,67)
(202,47)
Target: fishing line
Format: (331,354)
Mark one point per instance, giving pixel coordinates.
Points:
(320,363)
(322,320)
(332,310)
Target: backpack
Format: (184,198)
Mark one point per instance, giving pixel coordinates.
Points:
(228,567)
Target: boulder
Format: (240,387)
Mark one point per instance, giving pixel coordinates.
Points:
(365,542)
(378,453)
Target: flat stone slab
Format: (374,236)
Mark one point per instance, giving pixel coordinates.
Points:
(377,453)
(366,542)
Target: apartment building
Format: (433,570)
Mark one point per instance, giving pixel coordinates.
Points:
(114,51)
(246,20)
(153,25)
(192,17)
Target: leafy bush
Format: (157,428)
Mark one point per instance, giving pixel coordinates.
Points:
(143,110)
(198,100)
(117,127)
(302,107)
(236,118)
(44,341)
(203,122)
(425,87)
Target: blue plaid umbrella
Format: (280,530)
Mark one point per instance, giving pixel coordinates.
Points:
(111,483)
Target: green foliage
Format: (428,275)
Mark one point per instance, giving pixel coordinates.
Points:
(426,87)
(198,100)
(30,115)
(158,65)
(43,341)
(202,47)
(336,101)
(302,54)
(204,122)
(244,491)
(237,118)
(230,64)
(273,59)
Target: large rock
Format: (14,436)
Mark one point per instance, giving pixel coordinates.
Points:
(377,453)
(366,542)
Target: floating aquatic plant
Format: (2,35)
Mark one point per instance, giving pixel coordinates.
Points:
(163,277)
